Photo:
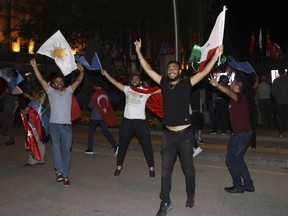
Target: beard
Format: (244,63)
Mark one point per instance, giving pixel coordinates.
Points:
(59,86)
(175,78)
(135,84)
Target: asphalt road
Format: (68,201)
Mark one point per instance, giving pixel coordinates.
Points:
(94,191)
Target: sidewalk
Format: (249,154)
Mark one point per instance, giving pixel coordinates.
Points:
(270,150)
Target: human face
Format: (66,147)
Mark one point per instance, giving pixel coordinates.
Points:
(58,83)
(135,81)
(173,72)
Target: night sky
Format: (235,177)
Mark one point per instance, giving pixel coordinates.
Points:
(243,17)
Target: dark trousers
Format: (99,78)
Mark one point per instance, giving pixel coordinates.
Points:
(282,117)
(173,143)
(139,128)
(93,124)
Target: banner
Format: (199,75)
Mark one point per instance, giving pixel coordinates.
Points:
(101,101)
(95,63)
(12,76)
(214,41)
(57,48)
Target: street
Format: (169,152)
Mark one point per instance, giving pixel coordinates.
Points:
(94,191)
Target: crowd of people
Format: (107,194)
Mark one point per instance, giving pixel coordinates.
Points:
(233,107)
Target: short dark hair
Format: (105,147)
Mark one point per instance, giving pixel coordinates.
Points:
(240,83)
(135,74)
(174,62)
(57,75)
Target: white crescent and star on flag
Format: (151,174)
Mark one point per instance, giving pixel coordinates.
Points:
(103,96)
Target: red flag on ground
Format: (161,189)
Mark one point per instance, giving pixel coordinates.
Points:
(101,101)
(252,43)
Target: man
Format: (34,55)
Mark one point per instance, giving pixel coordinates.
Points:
(240,137)
(197,116)
(35,117)
(60,100)
(220,105)
(134,121)
(178,135)
(279,92)
(102,115)
(10,106)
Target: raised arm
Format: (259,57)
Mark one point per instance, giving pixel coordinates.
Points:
(79,78)
(119,85)
(147,68)
(223,89)
(39,77)
(199,76)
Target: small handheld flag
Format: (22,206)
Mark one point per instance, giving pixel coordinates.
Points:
(95,63)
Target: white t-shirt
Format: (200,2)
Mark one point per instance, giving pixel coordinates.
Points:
(135,104)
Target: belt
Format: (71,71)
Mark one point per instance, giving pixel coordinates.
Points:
(185,130)
(63,125)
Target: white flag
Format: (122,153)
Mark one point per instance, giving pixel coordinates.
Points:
(215,40)
(260,39)
(57,48)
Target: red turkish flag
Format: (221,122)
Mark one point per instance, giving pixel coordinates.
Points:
(252,43)
(30,143)
(154,102)
(101,101)
(268,44)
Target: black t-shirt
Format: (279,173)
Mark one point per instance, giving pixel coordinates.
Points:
(176,102)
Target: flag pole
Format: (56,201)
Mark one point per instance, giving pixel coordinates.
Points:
(176,30)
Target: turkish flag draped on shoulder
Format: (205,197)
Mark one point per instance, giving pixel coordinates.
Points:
(155,101)
(101,101)
(202,54)
(75,109)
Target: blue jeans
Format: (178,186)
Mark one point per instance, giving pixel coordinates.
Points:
(174,143)
(61,137)
(237,146)
(93,124)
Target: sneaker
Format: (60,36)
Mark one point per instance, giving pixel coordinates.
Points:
(116,150)
(190,202)
(117,172)
(200,141)
(89,152)
(59,177)
(152,173)
(196,151)
(165,208)
(66,182)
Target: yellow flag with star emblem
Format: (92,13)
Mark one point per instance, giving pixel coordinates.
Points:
(57,48)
